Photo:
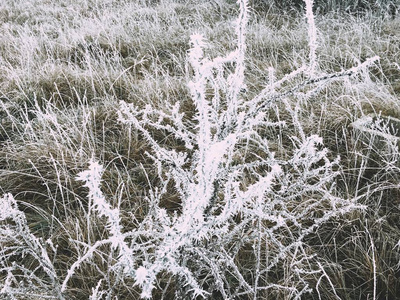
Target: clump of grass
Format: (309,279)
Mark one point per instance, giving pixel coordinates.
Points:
(347,6)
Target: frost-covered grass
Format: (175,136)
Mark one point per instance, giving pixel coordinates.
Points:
(198,149)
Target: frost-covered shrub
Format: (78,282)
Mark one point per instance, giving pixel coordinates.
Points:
(236,193)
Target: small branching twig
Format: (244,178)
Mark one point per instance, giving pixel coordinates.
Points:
(18,240)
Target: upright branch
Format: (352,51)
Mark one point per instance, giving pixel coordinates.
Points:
(236,79)
(312,37)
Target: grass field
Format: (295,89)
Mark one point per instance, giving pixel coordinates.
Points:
(301,199)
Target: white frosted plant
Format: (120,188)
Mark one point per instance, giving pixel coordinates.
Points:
(234,190)
(97,202)
(19,244)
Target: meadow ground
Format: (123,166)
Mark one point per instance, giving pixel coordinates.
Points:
(66,65)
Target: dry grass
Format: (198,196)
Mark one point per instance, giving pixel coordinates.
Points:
(65,66)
